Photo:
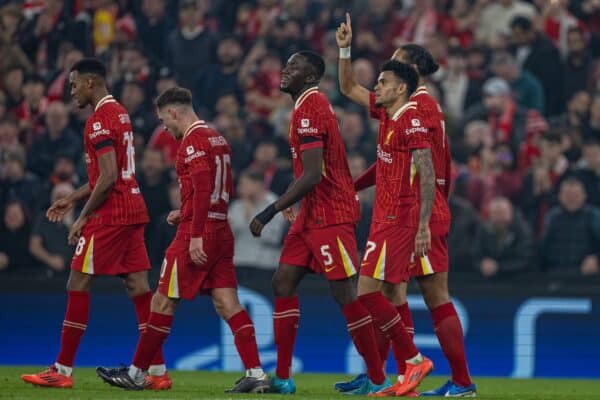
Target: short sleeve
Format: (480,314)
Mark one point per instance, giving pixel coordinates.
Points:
(311,127)
(100,135)
(374,111)
(418,135)
(196,154)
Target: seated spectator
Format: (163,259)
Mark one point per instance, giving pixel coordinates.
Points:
(14,238)
(12,84)
(463,230)
(510,123)
(526,88)
(504,245)
(540,186)
(578,63)
(9,138)
(48,242)
(17,183)
(265,162)
(576,113)
(589,171)
(571,241)
(58,88)
(262,252)
(63,171)
(57,139)
(30,112)
(153,180)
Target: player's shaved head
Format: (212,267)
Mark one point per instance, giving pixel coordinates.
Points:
(403,72)
(315,61)
(174,96)
(91,66)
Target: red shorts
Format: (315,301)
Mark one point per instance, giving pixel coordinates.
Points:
(436,259)
(181,278)
(388,253)
(330,251)
(111,250)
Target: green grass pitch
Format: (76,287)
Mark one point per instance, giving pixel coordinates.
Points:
(210,385)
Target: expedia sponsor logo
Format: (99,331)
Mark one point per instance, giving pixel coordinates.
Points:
(309,130)
(384,155)
(101,132)
(192,157)
(410,131)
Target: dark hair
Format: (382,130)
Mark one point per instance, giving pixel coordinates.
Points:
(316,61)
(553,136)
(591,141)
(174,95)
(33,78)
(404,72)
(423,59)
(521,22)
(253,175)
(572,179)
(90,66)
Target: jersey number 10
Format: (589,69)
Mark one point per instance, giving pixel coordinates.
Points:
(223,166)
(129,171)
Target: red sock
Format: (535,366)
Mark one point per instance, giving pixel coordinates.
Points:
(450,335)
(76,319)
(245,339)
(360,327)
(285,326)
(389,321)
(158,329)
(404,312)
(142,310)
(383,343)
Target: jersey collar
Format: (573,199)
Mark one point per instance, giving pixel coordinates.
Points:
(305,95)
(420,90)
(198,124)
(105,100)
(401,110)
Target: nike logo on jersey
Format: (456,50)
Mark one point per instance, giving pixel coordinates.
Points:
(329,269)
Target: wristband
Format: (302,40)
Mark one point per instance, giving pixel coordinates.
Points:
(345,53)
(267,214)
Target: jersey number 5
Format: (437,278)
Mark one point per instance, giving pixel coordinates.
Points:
(129,171)
(223,167)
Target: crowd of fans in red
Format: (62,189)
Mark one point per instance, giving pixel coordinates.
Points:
(519,84)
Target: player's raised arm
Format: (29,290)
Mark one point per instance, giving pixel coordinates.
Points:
(348,85)
(312,159)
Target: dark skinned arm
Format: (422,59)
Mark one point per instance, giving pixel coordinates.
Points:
(312,159)
(424,165)
(106,181)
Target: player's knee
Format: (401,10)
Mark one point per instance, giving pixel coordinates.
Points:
(226,308)
(343,291)
(136,284)
(79,282)
(396,294)
(282,288)
(163,305)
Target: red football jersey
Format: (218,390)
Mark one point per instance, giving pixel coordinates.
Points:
(397,191)
(433,119)
(204,149)
(333,201)
(107,129)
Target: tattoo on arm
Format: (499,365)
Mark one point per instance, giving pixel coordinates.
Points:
(424,164)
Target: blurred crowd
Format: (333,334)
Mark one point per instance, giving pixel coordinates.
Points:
(519,84)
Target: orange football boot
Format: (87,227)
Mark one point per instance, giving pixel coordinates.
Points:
(414,375)
(391,392)
(49,378)
(159,382)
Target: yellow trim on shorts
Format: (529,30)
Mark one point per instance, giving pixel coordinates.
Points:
(380,266)
(346,260)
(88,259)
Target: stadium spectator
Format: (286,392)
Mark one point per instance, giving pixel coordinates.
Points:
(510,123)
(153,26)
(459,91)
(540,186)
(14,238)
(232,128)
(153,180)
(526,89)
(12,84)
(9,138)
(571,239)
(11,53)
(30,112)
(143,120)
(58,86)
(356,135)
(537,54)
(48,242)
(192,37)
(18,183)
(221,78)
(262,94)
(56,139)
(592,126)
(262,252)
(504,245)
(463,230)
(265,162)
(557,21)
(589,171)
(494,20)
(578,63)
